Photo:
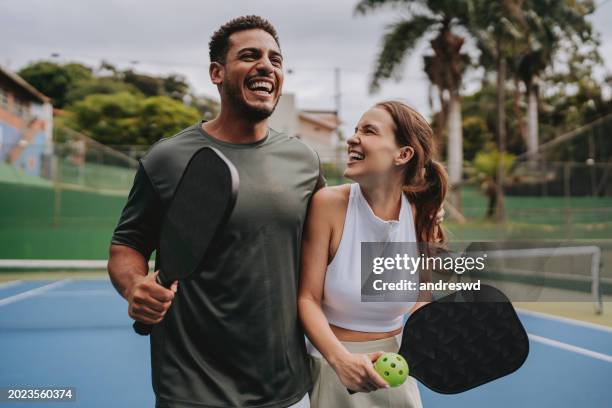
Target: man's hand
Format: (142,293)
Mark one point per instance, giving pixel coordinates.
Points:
(148,300)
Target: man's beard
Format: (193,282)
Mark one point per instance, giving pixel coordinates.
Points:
(249,112)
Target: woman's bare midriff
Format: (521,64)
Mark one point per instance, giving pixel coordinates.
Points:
(351,335)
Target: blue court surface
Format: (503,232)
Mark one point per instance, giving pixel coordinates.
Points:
(76,333)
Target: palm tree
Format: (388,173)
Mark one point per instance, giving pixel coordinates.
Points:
(445,68)
(545,24)
(527,32)
(495,26)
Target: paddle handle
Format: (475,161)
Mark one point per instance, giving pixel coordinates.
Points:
(145,329)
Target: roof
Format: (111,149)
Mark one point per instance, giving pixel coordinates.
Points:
(24,85)
(326,119)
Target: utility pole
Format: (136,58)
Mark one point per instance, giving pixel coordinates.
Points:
(337,107)
(338,93)
(338,97)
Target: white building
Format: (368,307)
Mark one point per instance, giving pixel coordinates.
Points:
(318,128)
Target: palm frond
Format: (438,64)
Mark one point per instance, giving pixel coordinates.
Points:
(400,38)
(365,6)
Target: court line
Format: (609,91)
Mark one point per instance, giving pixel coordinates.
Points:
(33,292)
(568,347)
(10,284)
(60,264)
(86,292)
(565,320)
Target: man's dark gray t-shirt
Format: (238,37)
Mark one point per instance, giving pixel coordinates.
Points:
(231,337)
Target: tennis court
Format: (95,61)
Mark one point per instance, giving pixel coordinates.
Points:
(76,333)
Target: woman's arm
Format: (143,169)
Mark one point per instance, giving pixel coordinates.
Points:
(354,370)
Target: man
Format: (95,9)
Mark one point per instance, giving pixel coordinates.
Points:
(228,337)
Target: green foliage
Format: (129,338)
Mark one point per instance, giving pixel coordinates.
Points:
(482,105)
(476,134)
(333,173)
(148,85)
(109,119)
(162,116)
(68,83)
(97,85)
(399,40)
(486,163)
(118,107)
(131,119)
(438,17)
(175,86)
(55,80)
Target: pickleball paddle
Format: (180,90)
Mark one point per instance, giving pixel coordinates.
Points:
(464,340)
(202,203)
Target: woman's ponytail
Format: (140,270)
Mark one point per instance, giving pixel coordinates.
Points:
(426,181)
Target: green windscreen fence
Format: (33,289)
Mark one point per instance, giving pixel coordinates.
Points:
(68,210)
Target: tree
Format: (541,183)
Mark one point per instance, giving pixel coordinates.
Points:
(55,80)
(97,85)
(162,116)
(148,85)
(545,25)
(483,104)
(110,119)
(130,119)
(444,68)
(495,25)
(175,86)
(475,135)
(487,165)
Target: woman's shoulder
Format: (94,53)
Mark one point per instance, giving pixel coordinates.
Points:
(330,203)
(332,195)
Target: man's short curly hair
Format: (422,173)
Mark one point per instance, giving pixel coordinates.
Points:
(219,42)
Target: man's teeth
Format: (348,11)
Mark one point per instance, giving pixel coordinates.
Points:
(356,156)
(260,86)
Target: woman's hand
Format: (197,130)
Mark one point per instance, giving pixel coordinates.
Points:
(357,373)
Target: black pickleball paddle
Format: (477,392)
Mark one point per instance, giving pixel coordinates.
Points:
(200,206)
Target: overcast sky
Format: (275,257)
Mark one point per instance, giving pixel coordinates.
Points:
(172,37)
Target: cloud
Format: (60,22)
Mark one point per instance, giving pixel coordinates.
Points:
(166,37)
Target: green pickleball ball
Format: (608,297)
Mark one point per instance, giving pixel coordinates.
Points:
(393,368)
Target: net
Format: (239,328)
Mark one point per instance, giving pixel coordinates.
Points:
(42,265)
(555,273)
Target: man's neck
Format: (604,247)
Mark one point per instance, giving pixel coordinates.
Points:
(234,129)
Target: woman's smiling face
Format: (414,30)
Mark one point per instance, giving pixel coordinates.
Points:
(373,150)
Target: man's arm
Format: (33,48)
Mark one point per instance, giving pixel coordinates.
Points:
(134,240)
(321,181)
(148,302)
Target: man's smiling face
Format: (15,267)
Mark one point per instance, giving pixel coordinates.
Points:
(252,76)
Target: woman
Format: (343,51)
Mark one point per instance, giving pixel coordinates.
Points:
(398,192)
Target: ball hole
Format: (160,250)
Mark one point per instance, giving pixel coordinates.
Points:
(386,373)
(401,372)
(385,359)
(392,365)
